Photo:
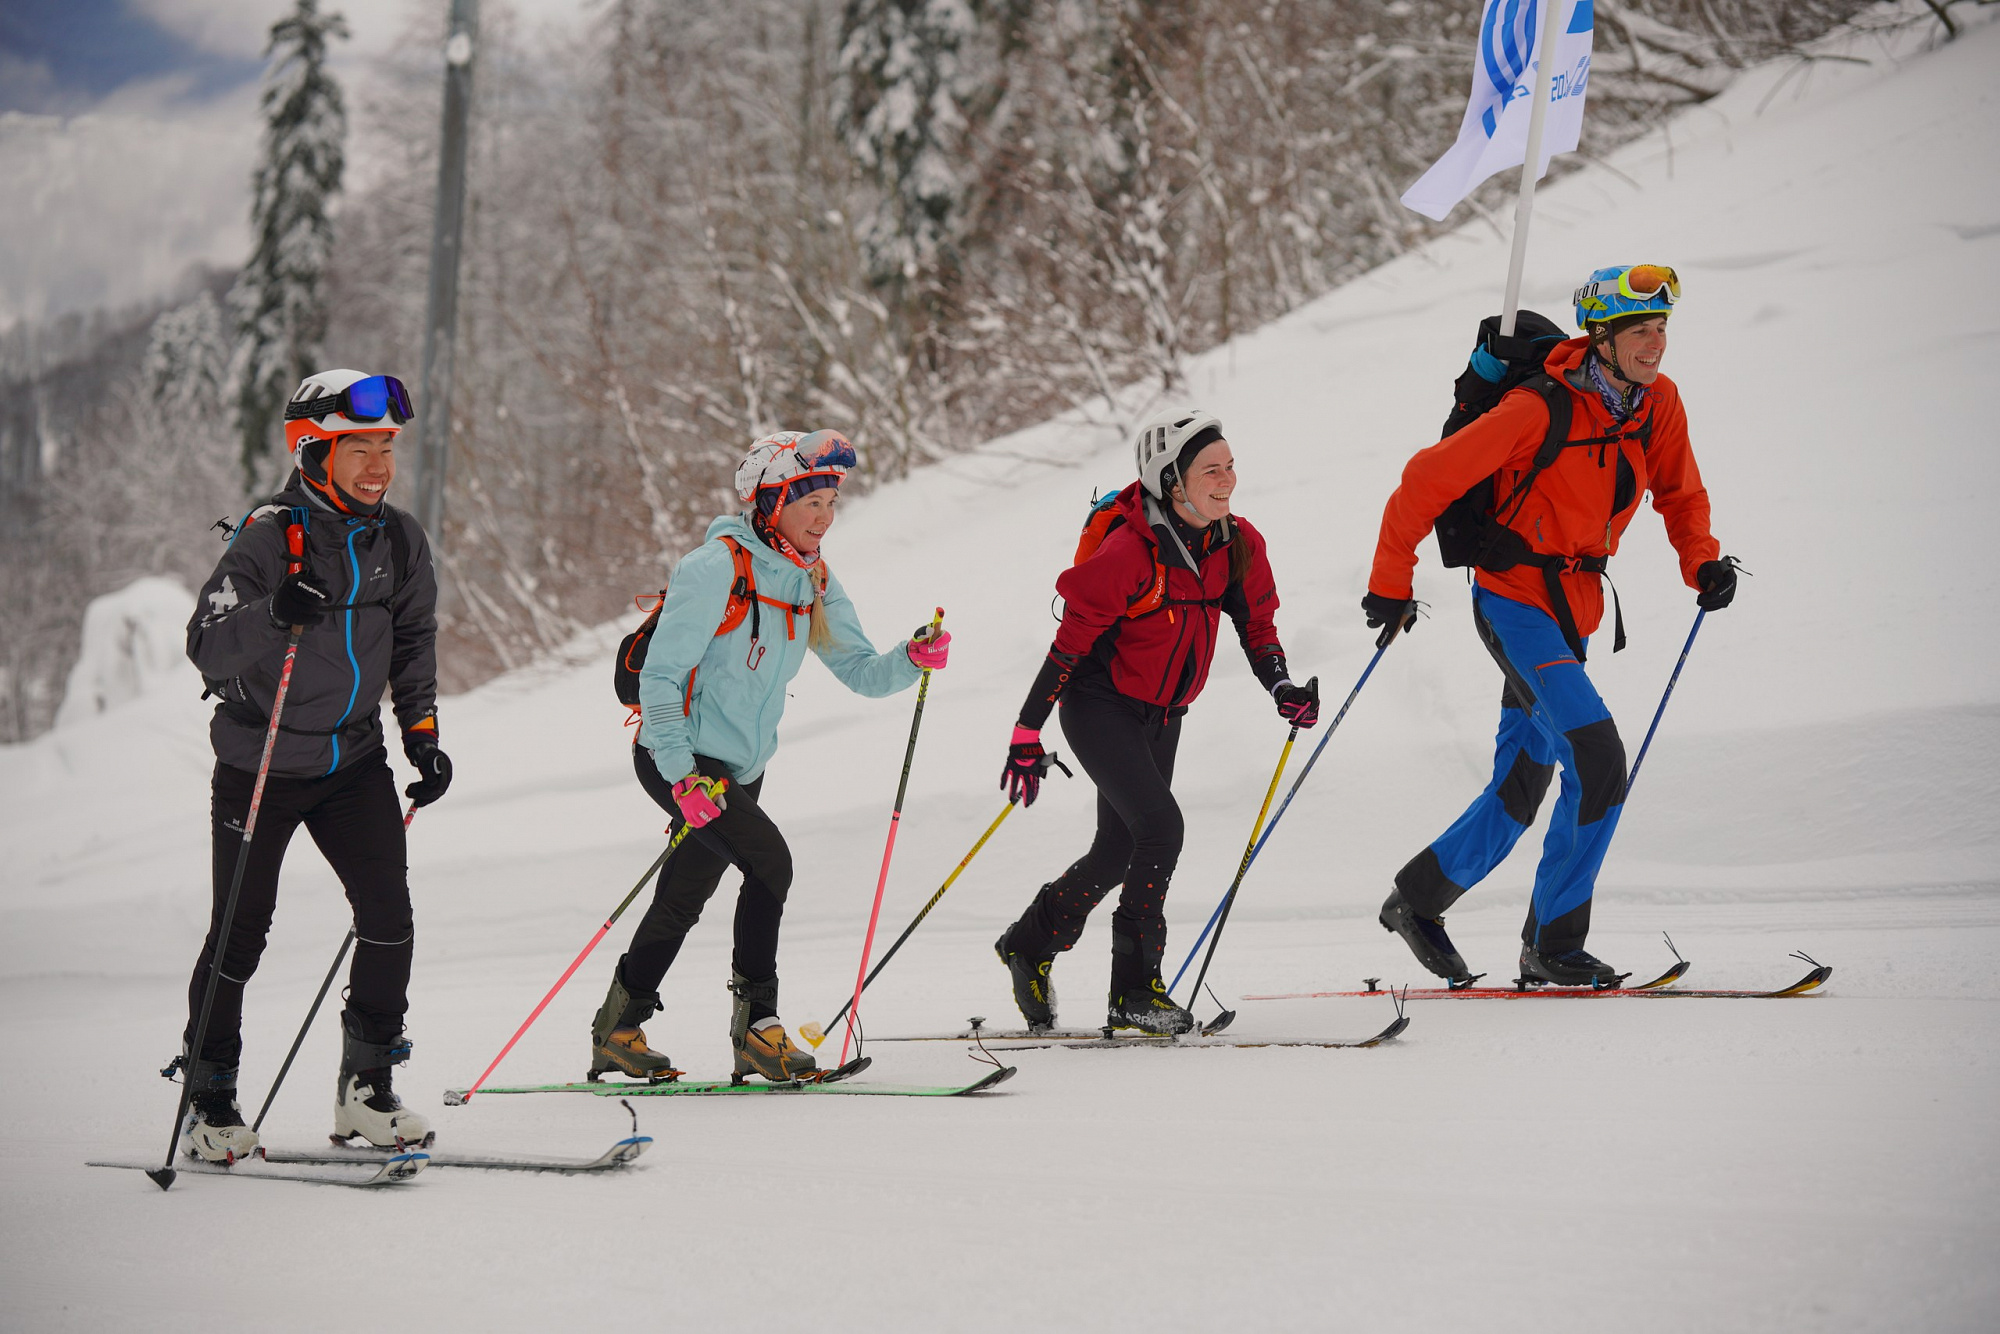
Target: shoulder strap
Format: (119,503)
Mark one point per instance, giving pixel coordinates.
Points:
(742,589)
(399,551)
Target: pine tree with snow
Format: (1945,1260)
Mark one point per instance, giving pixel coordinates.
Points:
(186,371)
(278,305)
(899,108)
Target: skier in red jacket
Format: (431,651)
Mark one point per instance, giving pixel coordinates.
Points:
(1141,621)
(1537,598)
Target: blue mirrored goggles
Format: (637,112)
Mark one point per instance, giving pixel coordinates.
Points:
(368,400)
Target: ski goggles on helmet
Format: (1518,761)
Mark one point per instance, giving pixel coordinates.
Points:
(368,400)
(1640,282)
(824,450)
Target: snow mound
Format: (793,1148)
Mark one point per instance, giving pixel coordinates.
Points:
(134,645)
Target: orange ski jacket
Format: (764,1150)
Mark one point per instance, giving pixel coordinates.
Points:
(1578,507)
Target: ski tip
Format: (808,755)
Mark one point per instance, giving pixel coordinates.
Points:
(163,1177)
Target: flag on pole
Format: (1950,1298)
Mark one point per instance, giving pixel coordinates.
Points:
(1494,134)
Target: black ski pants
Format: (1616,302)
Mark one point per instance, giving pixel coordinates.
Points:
(743,837)
(354,818)
(1127,747)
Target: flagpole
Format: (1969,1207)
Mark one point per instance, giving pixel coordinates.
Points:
(1531,166)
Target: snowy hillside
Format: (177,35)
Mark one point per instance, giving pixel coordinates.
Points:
(1827,779)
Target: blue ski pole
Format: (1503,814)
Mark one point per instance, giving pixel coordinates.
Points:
(1634,776)
(1219,916)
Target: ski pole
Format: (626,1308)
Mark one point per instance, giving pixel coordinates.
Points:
(577,962)
(888,849)
(814,1033)
(1382,642)
(346,943)
(163,1176)
(1249,847)
(1671,680)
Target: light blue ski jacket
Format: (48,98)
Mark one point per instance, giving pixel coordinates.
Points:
(739,683)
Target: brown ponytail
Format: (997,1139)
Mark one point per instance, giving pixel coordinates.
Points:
(1239,553)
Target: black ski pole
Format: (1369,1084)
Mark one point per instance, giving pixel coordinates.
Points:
(1382,642)
(346,943)
(1671,680)
(163,1175)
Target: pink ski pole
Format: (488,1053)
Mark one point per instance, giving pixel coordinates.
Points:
(888,850)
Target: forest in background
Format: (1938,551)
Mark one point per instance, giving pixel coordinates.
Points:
(923,222)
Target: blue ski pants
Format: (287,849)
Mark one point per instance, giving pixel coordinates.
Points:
(1551,718)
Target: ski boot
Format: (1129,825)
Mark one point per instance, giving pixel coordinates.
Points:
(1426,938)
(1034,990)
(618,1043)
(1569,968)
(763,1047)
(213,1129)
(364,1104)
(1139,996)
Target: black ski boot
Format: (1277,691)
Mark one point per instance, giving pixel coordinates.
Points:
(214,1130)
(1570,968)
(618,1043)
(1426,938)
(1034,991)
(365,1104)
(1139,996)
(763,1047)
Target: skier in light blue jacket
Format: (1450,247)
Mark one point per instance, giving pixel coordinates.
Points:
(741,613)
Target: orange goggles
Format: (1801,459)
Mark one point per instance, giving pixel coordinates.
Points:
(1641,282)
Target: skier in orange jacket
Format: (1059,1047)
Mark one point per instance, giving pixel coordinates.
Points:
(1561,501)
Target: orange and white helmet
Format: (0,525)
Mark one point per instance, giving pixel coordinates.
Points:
(787,464)
(331,404)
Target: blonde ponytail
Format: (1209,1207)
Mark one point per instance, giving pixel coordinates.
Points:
(819,637)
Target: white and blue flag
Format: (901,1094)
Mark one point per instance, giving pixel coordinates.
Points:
(1494,135)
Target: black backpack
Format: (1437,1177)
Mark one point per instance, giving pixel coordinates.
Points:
(1471,531)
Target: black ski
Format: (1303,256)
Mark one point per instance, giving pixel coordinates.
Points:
(1154,1040)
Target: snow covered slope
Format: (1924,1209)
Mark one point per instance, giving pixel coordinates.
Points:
(1826,779)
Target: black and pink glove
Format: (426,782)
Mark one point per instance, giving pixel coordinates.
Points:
(1027,765)
(1298,705)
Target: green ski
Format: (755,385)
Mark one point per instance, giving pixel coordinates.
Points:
(709,1087)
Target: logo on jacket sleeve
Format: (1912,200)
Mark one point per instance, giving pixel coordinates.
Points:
(224,598)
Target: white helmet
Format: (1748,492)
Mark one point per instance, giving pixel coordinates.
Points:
(1161,440)
(788,461)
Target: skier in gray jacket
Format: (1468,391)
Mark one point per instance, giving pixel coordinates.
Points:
(330,554)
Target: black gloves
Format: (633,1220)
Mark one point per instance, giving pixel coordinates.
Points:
(300,600)
(1298,705)
(433,768)
(1390,615)
(1717,580)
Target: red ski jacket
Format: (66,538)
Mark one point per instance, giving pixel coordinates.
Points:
(1163,657)
(1579,506)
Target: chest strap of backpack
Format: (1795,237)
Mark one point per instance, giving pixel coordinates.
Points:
(1552,568)
(745,600)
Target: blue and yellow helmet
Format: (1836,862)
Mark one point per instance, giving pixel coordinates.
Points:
(1626,289)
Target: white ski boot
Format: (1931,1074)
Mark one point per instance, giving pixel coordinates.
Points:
(213,1129)
(365,1104)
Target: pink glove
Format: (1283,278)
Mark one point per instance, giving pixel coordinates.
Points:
(929,654)
(700,798)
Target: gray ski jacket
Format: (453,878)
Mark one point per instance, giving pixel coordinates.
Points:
(381,636)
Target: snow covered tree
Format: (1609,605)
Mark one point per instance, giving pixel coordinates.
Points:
(898,105)
(186,368)
(278,304)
